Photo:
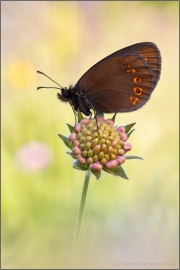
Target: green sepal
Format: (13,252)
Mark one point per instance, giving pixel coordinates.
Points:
(80,116)
(129,133)
(66,141)
(71,128)
(71,154)
(97,114)
(133,157)
(117,171)
(78,166)
(96,174)
(114,117)
(128,127)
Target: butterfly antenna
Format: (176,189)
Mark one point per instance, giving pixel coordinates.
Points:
(50,79)
(39,87)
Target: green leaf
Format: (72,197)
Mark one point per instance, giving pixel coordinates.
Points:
(114,116)
(78,166)
(128,127)
(117,171)
(71,128)
(133,157)
(96,174)
(71,154)
(80,116)
(66,141)
(129,133)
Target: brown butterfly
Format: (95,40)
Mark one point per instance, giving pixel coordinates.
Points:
(121,82)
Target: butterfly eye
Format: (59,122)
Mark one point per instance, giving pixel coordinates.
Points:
(137,90)
(137,80)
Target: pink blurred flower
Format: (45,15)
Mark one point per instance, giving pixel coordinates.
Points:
(34,156)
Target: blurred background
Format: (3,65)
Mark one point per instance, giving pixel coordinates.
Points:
(127,224)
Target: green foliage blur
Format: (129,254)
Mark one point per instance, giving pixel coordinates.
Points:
(126,223)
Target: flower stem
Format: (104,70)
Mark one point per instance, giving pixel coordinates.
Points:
(79,220)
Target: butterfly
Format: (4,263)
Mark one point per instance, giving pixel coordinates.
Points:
(121,82)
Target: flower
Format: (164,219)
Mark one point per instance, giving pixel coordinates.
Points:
(97,144)
(34,156)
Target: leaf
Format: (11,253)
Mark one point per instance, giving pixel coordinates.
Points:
(71,128)
(66,141)
(128,134)
(114,116)
(128,127)
(96,174)
(80,116)
(117,171)
(108,171)
(133,157)
(71,154)
(78,166)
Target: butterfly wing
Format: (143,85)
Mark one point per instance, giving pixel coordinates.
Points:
(124,80)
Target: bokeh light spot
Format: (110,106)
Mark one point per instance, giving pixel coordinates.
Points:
(20,74)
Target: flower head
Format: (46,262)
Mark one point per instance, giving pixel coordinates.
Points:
(97,144)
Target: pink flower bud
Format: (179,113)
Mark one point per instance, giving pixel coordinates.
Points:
(77,128)
(121,129)
(110,121)
(123,136)
(76,143)
(120,159)
(76,150)
(96,166)
(81,160)
(72,137)
(100,118)
(111,164)
(121,152)
(84,121)
(127,146)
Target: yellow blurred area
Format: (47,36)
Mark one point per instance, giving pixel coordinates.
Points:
(20,74)
(127,224)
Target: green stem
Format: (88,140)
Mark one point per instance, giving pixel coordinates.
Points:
(79,220)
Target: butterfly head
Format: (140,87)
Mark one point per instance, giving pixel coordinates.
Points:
(64,95)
